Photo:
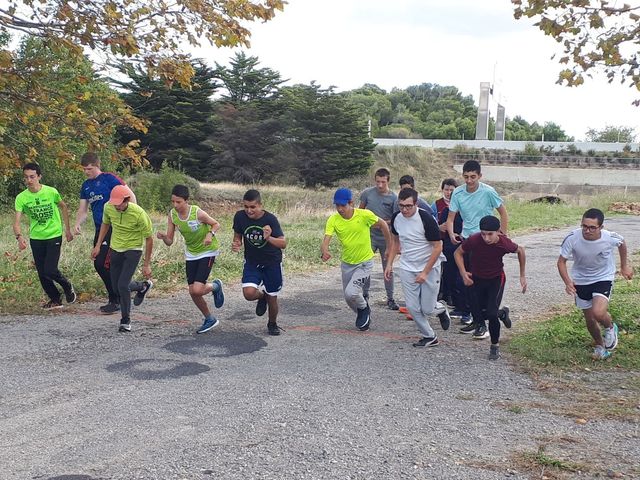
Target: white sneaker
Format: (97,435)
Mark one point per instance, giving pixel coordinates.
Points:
(611,337)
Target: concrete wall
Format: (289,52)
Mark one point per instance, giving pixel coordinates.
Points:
(565,176)
(504,145)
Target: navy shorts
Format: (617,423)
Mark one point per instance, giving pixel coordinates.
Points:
(267,276)
(199,270)
(585,293)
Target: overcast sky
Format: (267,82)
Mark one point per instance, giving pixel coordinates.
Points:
(347,43)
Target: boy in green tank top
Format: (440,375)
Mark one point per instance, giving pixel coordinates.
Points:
(42,205)
(201,248)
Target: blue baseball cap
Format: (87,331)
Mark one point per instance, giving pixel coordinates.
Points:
(342,196)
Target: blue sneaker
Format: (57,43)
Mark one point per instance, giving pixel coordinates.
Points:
(208,324)
(218,294)
(466,319)
(363,318)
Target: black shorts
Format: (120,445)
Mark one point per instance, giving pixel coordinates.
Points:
(585,293)
(199,270)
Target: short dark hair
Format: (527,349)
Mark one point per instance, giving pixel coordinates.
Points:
(407,180)
(252,196)
(382,172)
(408,192)
(471,166)
(449,181)
(32,166)
(90,158)
(594,213)
(180,191)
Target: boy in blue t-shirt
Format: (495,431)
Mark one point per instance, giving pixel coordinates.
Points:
(473,201)
(94,193)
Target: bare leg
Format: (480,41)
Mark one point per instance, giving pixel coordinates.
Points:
(197,291)
(593,326)
(252,293)
(272,301)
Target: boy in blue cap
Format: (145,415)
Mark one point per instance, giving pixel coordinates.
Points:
(352,226)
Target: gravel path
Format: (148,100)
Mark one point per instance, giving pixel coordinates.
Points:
(78,401)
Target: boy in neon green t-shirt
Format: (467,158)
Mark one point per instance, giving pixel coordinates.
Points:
(200,250)
(353,226)
(42,205)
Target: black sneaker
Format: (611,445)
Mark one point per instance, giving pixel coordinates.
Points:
(480,332)
(503,315)
(392,305)
(494,352)
(51,305)
(261,306)
(110,308)
(427,342)
(148,285)
(274,329)
(363,318)
(125,326)
(445,319)
(468,329)
(70,296)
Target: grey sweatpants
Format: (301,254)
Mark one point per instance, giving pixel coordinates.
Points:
(422,298)
(356,280)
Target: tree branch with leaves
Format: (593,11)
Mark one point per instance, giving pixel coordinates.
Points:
(597,35)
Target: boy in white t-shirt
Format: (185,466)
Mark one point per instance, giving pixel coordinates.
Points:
(591,280)
(416,232)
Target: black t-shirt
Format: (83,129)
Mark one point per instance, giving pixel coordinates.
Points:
(257,251)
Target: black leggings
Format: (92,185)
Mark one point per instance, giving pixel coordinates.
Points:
(123,266)
(485,296)
(46,255)
(102,265)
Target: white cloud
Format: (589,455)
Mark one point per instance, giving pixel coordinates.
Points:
(347,43)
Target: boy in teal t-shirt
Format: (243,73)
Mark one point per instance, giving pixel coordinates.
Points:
(200,250)
(352,227)
(42,205)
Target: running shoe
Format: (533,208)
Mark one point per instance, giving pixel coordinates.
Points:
(481,332)
(392,305)
(218,293)
(51,305)
(600,353)
(466,319)
(261,306)
(70,295)
(274,329)
(146,286)
(455,313)
(494,352)
(445,319)
(503,316)
(468,329)
(427,342)
(110,308)
(611,337)
(208,324)
(125,326)
(363,318)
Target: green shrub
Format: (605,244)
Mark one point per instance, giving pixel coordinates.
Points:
(153,190)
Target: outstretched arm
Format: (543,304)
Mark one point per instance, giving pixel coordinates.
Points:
(504,219)
(168,237)
(324,248)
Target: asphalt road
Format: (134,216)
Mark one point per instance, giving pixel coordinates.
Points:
(80,401)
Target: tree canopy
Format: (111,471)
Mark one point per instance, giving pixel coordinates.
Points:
(595,35)
(612,134)
(152,34)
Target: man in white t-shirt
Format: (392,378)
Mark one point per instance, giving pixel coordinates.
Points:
(591,280)
(416,233)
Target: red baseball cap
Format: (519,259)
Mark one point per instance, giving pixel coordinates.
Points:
(119,194)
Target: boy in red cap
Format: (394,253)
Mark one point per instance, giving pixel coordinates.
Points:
(486,279)
(131,230)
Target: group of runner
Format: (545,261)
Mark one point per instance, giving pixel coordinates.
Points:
(450,252)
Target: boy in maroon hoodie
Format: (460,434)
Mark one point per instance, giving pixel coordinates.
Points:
(486,278)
